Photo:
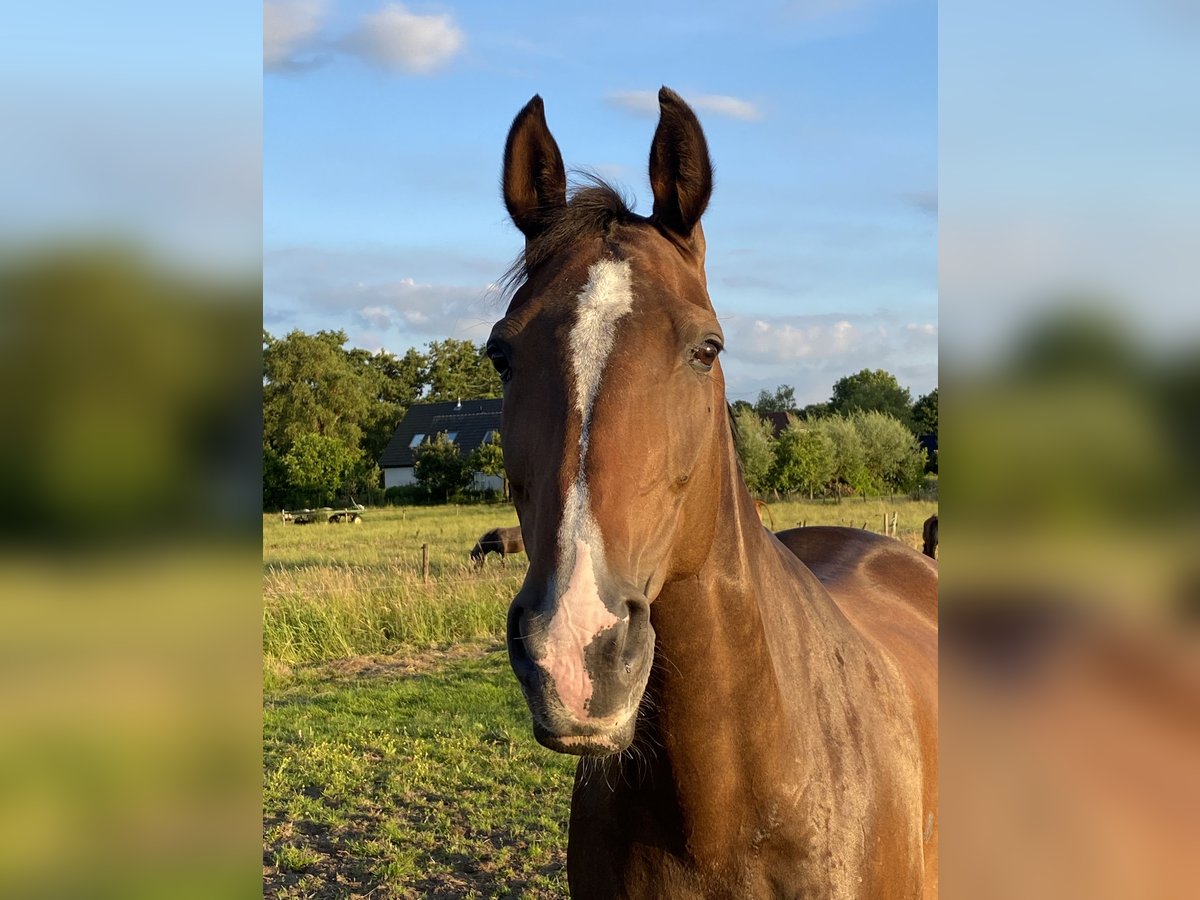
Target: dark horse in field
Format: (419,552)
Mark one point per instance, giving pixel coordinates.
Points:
(757,714)
(502,541)
(929,537)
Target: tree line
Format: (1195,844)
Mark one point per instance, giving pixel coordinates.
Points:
(865,452)
(329,412)
(865,440)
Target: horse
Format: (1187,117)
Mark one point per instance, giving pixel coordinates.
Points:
(755,715)
(929,537)
(502,541)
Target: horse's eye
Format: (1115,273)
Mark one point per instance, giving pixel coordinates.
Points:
(503,369)
(706,354)
(500,362)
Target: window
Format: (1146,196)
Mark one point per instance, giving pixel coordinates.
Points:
(417,438)
(491,437)
(452,436)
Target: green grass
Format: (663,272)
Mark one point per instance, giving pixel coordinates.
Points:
(331,591)
(411,777)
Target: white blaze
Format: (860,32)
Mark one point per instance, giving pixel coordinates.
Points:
(580,614)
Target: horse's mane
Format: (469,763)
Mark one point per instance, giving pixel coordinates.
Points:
(736,434)
(594,207)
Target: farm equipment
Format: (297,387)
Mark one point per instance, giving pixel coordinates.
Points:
(326,513)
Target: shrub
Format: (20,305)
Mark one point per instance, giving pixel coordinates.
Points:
(804,459)
(891,455)
(441,469)
(849,469)
(318,465)
(406,495)
(755,448)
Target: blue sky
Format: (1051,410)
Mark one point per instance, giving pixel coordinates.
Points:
(384,126)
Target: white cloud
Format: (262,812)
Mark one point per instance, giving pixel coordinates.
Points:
(787,341)
(392,38)
(397,39)
(645,103)
(812,352)
(377,317)
(722,105)
(289,27)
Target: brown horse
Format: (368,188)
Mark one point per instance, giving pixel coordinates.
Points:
(501,541)
(750,724)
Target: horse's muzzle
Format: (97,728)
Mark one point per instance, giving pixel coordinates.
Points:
(583,687)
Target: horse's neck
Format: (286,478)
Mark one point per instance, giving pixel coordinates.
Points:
(732,645)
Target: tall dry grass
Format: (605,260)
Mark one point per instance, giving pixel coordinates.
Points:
(331,591)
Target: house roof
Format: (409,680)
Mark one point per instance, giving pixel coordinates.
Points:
(471,419)
(778,420)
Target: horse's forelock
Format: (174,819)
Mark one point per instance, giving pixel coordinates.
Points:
(594,208)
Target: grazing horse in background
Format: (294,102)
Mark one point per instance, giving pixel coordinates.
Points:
(756,717)
(499,540)
(929,537)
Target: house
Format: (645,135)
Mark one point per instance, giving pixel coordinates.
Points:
(778,420)
(469,423)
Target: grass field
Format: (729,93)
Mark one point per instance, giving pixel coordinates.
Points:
(398,755)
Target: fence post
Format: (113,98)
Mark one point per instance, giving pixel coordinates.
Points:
(895,519)
(425,563)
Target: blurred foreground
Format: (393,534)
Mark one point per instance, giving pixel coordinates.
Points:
(130,625)
(1070,668)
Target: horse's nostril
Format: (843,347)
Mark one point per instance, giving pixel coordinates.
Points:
(637,617)
(518,652)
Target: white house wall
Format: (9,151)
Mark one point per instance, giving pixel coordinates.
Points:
(398,476)
(488,482)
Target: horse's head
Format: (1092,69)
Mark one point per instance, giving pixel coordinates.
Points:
(614,424)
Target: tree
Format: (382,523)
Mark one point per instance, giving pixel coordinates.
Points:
(893,460)
(488,458)
(276,487)
(848,467)
(803,459)
(318,465)
(782,399)
(311,386)
(815,411)
(872,390)
(459,370)
(925,415)
(440,468)
(755,449)
(393,384)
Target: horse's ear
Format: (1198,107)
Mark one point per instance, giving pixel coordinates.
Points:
(535,182)
(680,172)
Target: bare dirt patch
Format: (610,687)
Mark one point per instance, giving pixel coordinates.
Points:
(400,665)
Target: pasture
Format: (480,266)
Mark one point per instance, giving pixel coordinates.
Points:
(397,748)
